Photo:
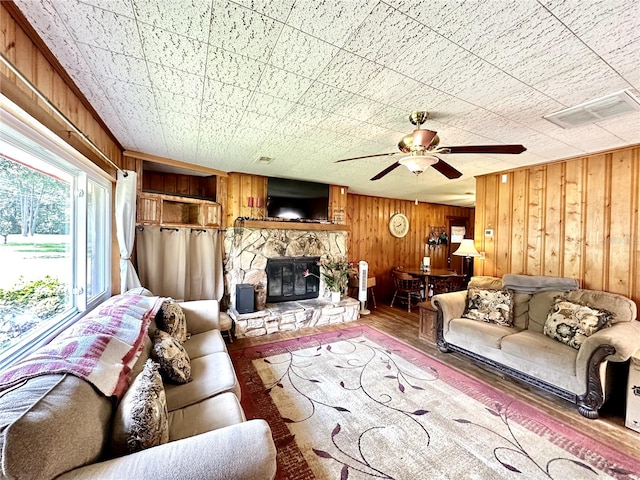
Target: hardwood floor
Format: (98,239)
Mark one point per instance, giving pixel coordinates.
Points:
(400,324)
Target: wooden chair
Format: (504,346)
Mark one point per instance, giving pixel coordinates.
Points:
(447,284)
(408,287)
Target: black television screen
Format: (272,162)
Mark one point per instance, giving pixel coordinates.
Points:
(296,199)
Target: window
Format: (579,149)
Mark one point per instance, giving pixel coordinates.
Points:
(55,211)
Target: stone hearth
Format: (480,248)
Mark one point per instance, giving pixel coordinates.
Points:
(287,316)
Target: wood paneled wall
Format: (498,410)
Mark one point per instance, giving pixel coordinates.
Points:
(370,239)
(25,50)
(239,187)
(575,218)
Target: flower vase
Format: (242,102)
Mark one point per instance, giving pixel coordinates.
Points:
(335,297)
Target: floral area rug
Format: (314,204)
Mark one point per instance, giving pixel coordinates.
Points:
(358,404)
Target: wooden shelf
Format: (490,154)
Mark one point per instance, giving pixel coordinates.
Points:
(291,225)
(173,211)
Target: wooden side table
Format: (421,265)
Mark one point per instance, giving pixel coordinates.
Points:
(427,328)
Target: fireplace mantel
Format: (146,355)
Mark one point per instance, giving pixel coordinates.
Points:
(285,225)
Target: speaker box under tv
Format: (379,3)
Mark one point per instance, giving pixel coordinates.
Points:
(244,298)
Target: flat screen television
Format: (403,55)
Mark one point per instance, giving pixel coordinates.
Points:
(297,199)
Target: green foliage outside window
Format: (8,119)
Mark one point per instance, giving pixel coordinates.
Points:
(28,304)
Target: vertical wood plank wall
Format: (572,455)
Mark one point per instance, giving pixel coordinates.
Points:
(241,186)
(370,239)
(575,218)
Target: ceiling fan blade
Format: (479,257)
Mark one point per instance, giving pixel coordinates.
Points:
(389,169)
(446,169)
(512,149)
(366,156)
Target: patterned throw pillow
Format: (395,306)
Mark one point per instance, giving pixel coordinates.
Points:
(175,365)
(171,319)
(492,306)
(141,420)
(571,323)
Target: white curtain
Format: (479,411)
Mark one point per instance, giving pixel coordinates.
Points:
(181,263)
(125,227)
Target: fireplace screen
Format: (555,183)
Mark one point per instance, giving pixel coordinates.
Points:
(286,282)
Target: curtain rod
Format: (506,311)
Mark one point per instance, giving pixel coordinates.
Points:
(62,116)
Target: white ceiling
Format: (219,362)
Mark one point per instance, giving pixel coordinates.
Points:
(221,83)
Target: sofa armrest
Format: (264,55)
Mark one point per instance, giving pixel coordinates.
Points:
(451,305)
(244,451)
(201,315)
(623,336)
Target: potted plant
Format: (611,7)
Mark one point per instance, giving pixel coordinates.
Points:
(335,273)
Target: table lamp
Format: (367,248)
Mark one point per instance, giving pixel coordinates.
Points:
(467,249)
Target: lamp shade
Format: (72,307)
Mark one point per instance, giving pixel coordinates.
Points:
(467,249)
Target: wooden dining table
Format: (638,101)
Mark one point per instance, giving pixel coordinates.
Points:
(429,275)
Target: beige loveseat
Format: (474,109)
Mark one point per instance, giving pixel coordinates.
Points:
(525,352)
(59,426)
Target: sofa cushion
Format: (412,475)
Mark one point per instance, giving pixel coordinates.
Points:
(171,319)
(213,375)
(493,306)
(623,309)
(209,414)
(141,420)
(464,331)
(51,424)
(539,306)
(571,323)
(486,282)
(205,343)
(544,352)
(175,365)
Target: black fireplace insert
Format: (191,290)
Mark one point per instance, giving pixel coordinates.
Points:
(286,280)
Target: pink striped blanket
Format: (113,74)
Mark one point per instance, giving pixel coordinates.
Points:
(101,347)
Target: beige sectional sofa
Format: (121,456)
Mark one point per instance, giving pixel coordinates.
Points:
(59,426)
(525,352)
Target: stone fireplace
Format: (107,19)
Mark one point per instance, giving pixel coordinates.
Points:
(251,251)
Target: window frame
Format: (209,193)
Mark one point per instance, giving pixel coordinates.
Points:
(62,156)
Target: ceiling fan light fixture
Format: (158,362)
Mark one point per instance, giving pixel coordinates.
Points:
(418,163)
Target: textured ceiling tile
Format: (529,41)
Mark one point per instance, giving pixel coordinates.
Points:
(215,113)
(301,54)
(106,63)
(469,27)
(392,117)
(582,84)
(177,123)
(233,68)
(225,94)
(384,35)
(358,107)
(602,24)
(120,7)
(240,30)
(626,60)
(265,123)
(279,10)
(338,123)
(431,13)
(387,86)
(331,21)
(100,28)
(536,48)
(175,81)
(348,72)
(215,133)
(173,50)
(186,17)
(626,127)
(427,58)
(303,114)
(68,54)
(135,100)
(525,103)
(324,97)
(268,105)
(177,103)
(44,17)
(282,84)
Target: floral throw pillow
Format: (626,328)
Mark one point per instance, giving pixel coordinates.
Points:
(171,319)
(175,364)
(492,306)
(141,420)
(571,323)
